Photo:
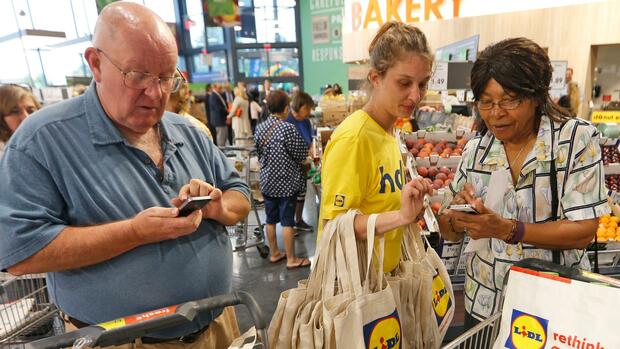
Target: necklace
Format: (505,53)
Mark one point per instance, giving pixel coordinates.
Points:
(515,159)
(520,150)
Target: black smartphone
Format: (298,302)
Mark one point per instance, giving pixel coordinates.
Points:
(192,204)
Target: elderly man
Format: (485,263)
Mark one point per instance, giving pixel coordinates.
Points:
(91,189)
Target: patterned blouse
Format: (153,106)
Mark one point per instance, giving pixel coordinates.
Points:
(581,194)
(281,150)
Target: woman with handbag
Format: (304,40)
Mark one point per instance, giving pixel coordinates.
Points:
(541,166)
(362,166)
(239,117)
(281,150)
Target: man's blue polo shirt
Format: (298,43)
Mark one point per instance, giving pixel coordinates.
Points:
(68,165)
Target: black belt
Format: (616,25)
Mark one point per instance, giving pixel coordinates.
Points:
(189,338)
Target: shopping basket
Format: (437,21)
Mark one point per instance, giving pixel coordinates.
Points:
(125,330)
(484,334)
(25,310)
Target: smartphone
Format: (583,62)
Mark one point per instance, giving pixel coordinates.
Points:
(192,204)
(467,208)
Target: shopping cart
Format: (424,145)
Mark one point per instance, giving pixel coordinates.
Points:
(25,310)
(484,334)
(245,158)
(125,330)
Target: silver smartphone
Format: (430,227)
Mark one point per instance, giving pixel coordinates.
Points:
(192,204)
(467,208)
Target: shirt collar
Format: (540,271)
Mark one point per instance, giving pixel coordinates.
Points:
(494,153)
(102,129)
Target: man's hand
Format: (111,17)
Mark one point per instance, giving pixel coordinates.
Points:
(197,187)
(162,223)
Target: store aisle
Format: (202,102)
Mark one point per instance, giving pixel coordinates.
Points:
(266,280)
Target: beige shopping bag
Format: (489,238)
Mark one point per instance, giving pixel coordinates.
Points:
(371,320)
(280,332)
(443,294)
(425,293)
(246,340)
(287,320)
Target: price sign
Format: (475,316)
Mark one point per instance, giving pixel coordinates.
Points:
(439,79)
(608,116)
(558,77)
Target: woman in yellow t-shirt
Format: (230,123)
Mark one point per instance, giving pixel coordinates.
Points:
(362,164)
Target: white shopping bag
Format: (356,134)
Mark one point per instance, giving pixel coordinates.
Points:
(547,311)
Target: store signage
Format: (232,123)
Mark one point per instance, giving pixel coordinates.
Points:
(439,79)
(371,14)
(320,30)
(605,116)
(558,77)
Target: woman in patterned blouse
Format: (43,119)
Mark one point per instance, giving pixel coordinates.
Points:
(546,171)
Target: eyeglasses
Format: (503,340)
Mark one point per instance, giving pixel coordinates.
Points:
(139,80)
(504,104)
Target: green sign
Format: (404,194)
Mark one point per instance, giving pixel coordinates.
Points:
(321,30)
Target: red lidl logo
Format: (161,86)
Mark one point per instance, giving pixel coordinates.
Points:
(383,333)
(527,331)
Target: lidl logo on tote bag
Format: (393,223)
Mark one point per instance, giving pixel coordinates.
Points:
(441,298)
(383,333)
(528,331)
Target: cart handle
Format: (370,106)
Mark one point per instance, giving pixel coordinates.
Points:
(95,335)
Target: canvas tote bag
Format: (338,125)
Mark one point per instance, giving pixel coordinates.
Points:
(282,325)
(371,320)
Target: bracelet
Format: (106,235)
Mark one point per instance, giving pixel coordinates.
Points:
(516,232)
(519,233)
(511,233)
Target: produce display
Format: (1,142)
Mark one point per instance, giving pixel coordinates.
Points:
(437,177)
(608,229)
(610,154)
(612,182)
(424,148)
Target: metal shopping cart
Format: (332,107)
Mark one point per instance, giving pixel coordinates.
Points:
(25,310)
(245,160)
(125,330)
(484,334)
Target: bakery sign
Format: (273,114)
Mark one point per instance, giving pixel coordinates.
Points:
(360,15)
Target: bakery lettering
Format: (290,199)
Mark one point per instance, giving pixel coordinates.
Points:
(380,11)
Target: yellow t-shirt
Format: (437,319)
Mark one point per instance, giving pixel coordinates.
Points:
(362,168)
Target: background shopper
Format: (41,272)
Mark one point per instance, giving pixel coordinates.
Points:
(301,108)
(180,102)
(255,108)
(536,153)
(218,112)
(239,117)
(16,103)
(281,150)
